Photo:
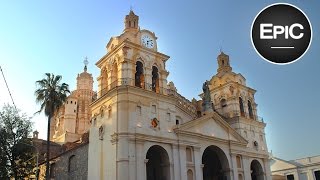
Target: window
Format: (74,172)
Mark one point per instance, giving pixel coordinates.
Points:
(75,102)
(168,116)
(241,107)
(52,170)
(139,75)
(245,134)
(239,161)
(189,154)
(250,110)
(178,120)
(70,102)
(154,109)
(155,79)
(72,163)
(223,103)
(139,110)
(290,177)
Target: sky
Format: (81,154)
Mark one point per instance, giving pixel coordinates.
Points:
(37,37)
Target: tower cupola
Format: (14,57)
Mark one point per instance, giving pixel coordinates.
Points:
(131,21)
(223,63)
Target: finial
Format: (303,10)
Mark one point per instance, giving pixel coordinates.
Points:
(85,62)
(130,7)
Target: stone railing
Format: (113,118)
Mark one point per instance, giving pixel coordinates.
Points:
(181,101)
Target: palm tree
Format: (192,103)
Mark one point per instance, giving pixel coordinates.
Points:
(50,95)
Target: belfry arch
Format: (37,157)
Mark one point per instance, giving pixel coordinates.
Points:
(256,170)
(216,166)
(158,165)
(139,75)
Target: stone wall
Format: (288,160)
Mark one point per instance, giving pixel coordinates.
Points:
(72,164)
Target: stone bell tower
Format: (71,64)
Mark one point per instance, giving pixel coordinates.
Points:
(235,102)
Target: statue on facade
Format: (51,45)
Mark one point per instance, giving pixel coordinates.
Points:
(206,99)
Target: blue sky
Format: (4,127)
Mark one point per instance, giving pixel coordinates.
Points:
(55,36)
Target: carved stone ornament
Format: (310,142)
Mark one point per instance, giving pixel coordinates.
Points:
(155,123)
(101,132)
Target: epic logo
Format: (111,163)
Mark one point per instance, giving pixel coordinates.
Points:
(281,33)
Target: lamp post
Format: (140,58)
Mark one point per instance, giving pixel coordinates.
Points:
(37,157)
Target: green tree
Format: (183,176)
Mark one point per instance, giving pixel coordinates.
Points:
(17,159)
(51,95)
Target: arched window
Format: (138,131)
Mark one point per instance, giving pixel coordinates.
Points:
(189,154)
(223,103)
(139,76)
(104,79)
(155,79)
(250,110)
(72,163)
(241,107)
(114,76)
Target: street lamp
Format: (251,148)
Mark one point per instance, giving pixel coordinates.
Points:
(37,168)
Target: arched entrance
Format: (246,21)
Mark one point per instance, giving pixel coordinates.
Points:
(158,166)
(216,166)
(256,171)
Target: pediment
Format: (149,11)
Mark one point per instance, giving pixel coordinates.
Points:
(211,125)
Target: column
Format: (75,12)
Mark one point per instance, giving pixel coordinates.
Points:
(140,161)
(122,159)
(176,162)
(267,171)
(246,167)
(198,163)
(183,162)
(234,166)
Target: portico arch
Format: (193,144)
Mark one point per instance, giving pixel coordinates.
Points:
(256,170)
(158,165)
(216,166)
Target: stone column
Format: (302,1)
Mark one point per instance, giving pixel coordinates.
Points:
(148,78)
(198,163)
(176,162)
(246,167)
(122,159)
(235,166)
(267,171)
(140,161)
(183,162)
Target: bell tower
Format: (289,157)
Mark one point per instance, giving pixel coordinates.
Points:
(235,102)
(131,22)
(223,63)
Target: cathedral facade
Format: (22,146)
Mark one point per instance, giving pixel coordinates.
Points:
(143,129)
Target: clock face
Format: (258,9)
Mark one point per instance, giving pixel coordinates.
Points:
(147,41)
